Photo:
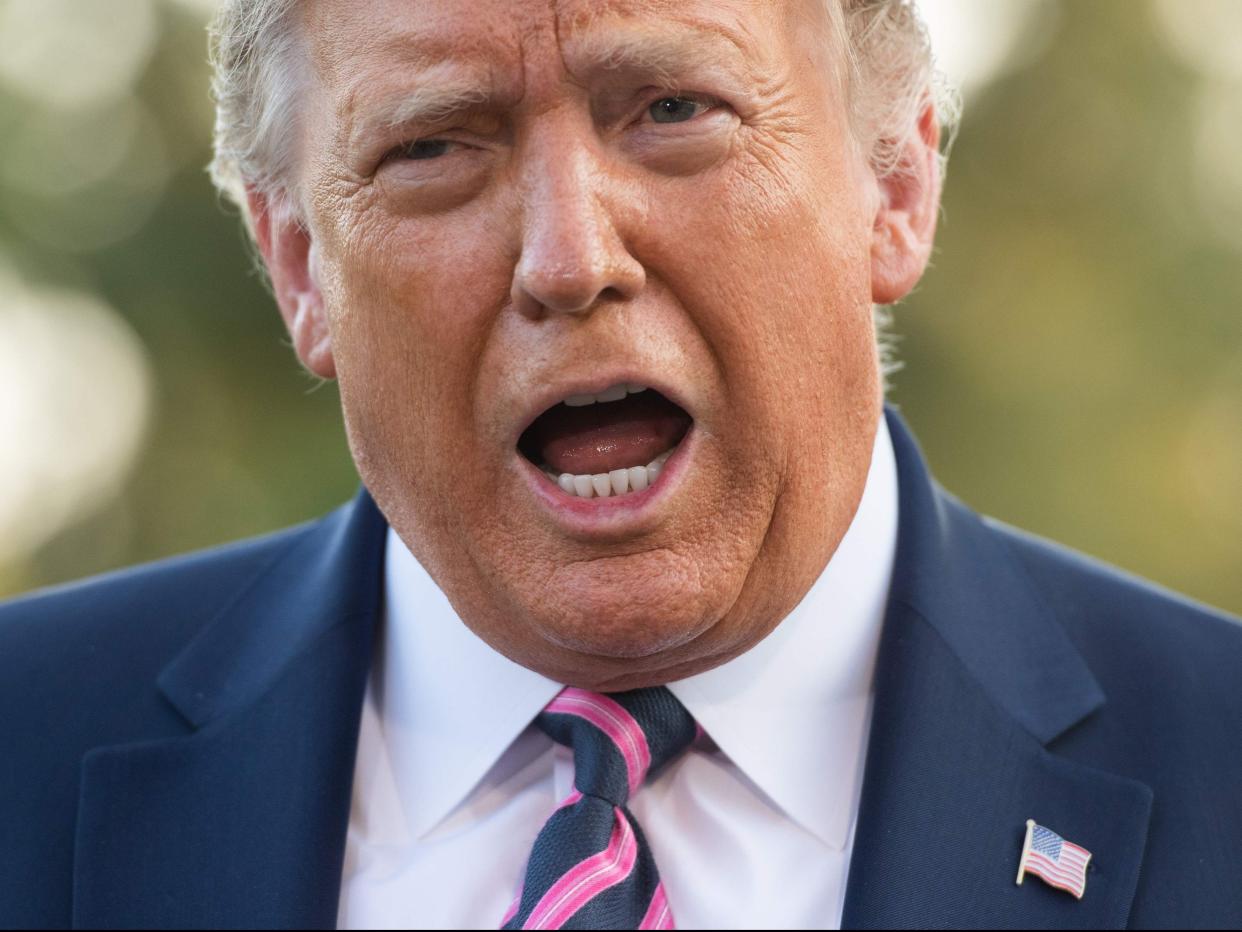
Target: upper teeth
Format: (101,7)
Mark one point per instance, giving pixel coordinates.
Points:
(612,393)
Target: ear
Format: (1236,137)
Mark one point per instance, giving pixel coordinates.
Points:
(905,220)
(292,261)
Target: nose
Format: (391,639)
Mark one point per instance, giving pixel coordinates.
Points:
(572,254)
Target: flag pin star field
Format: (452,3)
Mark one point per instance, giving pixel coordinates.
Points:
(1055,861)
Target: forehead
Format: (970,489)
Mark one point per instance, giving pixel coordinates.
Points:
(355,43)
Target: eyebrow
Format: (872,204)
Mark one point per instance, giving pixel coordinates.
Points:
(439,92)
(445,88)
(433,102)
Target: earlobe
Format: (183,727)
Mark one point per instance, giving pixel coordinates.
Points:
(905,220)
(292,260)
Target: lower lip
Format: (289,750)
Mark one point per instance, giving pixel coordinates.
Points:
(590,516)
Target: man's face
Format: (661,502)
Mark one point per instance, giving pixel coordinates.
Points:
(512,202)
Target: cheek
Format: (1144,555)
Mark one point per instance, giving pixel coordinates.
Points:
(774,261)
(408,336)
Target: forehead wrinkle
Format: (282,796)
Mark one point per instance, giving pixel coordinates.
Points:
(605,44)
(390,74)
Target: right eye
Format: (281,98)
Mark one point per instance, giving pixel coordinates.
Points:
(421,150)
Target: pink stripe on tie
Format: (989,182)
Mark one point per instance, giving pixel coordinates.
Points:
(612,719)
(513,908)
(568,801)
(658,915)
(587,879)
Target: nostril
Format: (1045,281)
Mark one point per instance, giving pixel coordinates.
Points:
(564,293)
(538,297)
(575,277)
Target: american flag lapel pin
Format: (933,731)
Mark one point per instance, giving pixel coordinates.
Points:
(1055,861)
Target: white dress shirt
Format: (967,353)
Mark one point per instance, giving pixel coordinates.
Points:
(751,829)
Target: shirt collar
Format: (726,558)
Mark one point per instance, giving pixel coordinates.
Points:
(449,704)
(791,712)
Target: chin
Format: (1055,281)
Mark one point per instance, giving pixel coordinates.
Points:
(605,610)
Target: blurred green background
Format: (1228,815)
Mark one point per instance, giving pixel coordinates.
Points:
(1072,362)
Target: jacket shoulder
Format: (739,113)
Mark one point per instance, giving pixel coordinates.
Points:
(102,636)
(1118,618)
(1168,666)
(78,670)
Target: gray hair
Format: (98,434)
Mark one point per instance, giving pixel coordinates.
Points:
(892,77)
(257,57)
(254,49)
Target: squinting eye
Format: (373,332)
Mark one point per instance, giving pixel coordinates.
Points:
(675,109)
(423,149)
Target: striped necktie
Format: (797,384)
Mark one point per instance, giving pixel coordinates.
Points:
(591,867)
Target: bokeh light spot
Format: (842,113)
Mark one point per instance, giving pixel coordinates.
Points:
(77,192)
(977,41)
(75,398)
(1205,34)
(72,53)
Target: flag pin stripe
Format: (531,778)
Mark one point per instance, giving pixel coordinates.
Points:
(1057,862)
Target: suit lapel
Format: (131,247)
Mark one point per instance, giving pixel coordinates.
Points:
(973,679)
(242,822)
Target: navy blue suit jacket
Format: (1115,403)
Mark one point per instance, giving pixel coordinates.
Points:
(177,741)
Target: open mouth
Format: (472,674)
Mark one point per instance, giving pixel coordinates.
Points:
(611,443)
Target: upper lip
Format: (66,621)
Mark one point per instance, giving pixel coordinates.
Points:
(555,392)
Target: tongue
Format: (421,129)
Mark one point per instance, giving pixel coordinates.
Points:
(611,435)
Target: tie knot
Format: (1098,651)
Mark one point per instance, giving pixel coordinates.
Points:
(618,738)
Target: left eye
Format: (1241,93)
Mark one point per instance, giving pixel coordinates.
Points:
(676,109)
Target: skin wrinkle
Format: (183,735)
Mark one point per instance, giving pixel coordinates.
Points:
(647,51)
(734,255)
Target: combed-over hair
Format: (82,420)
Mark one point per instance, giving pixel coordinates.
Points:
(258,67)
